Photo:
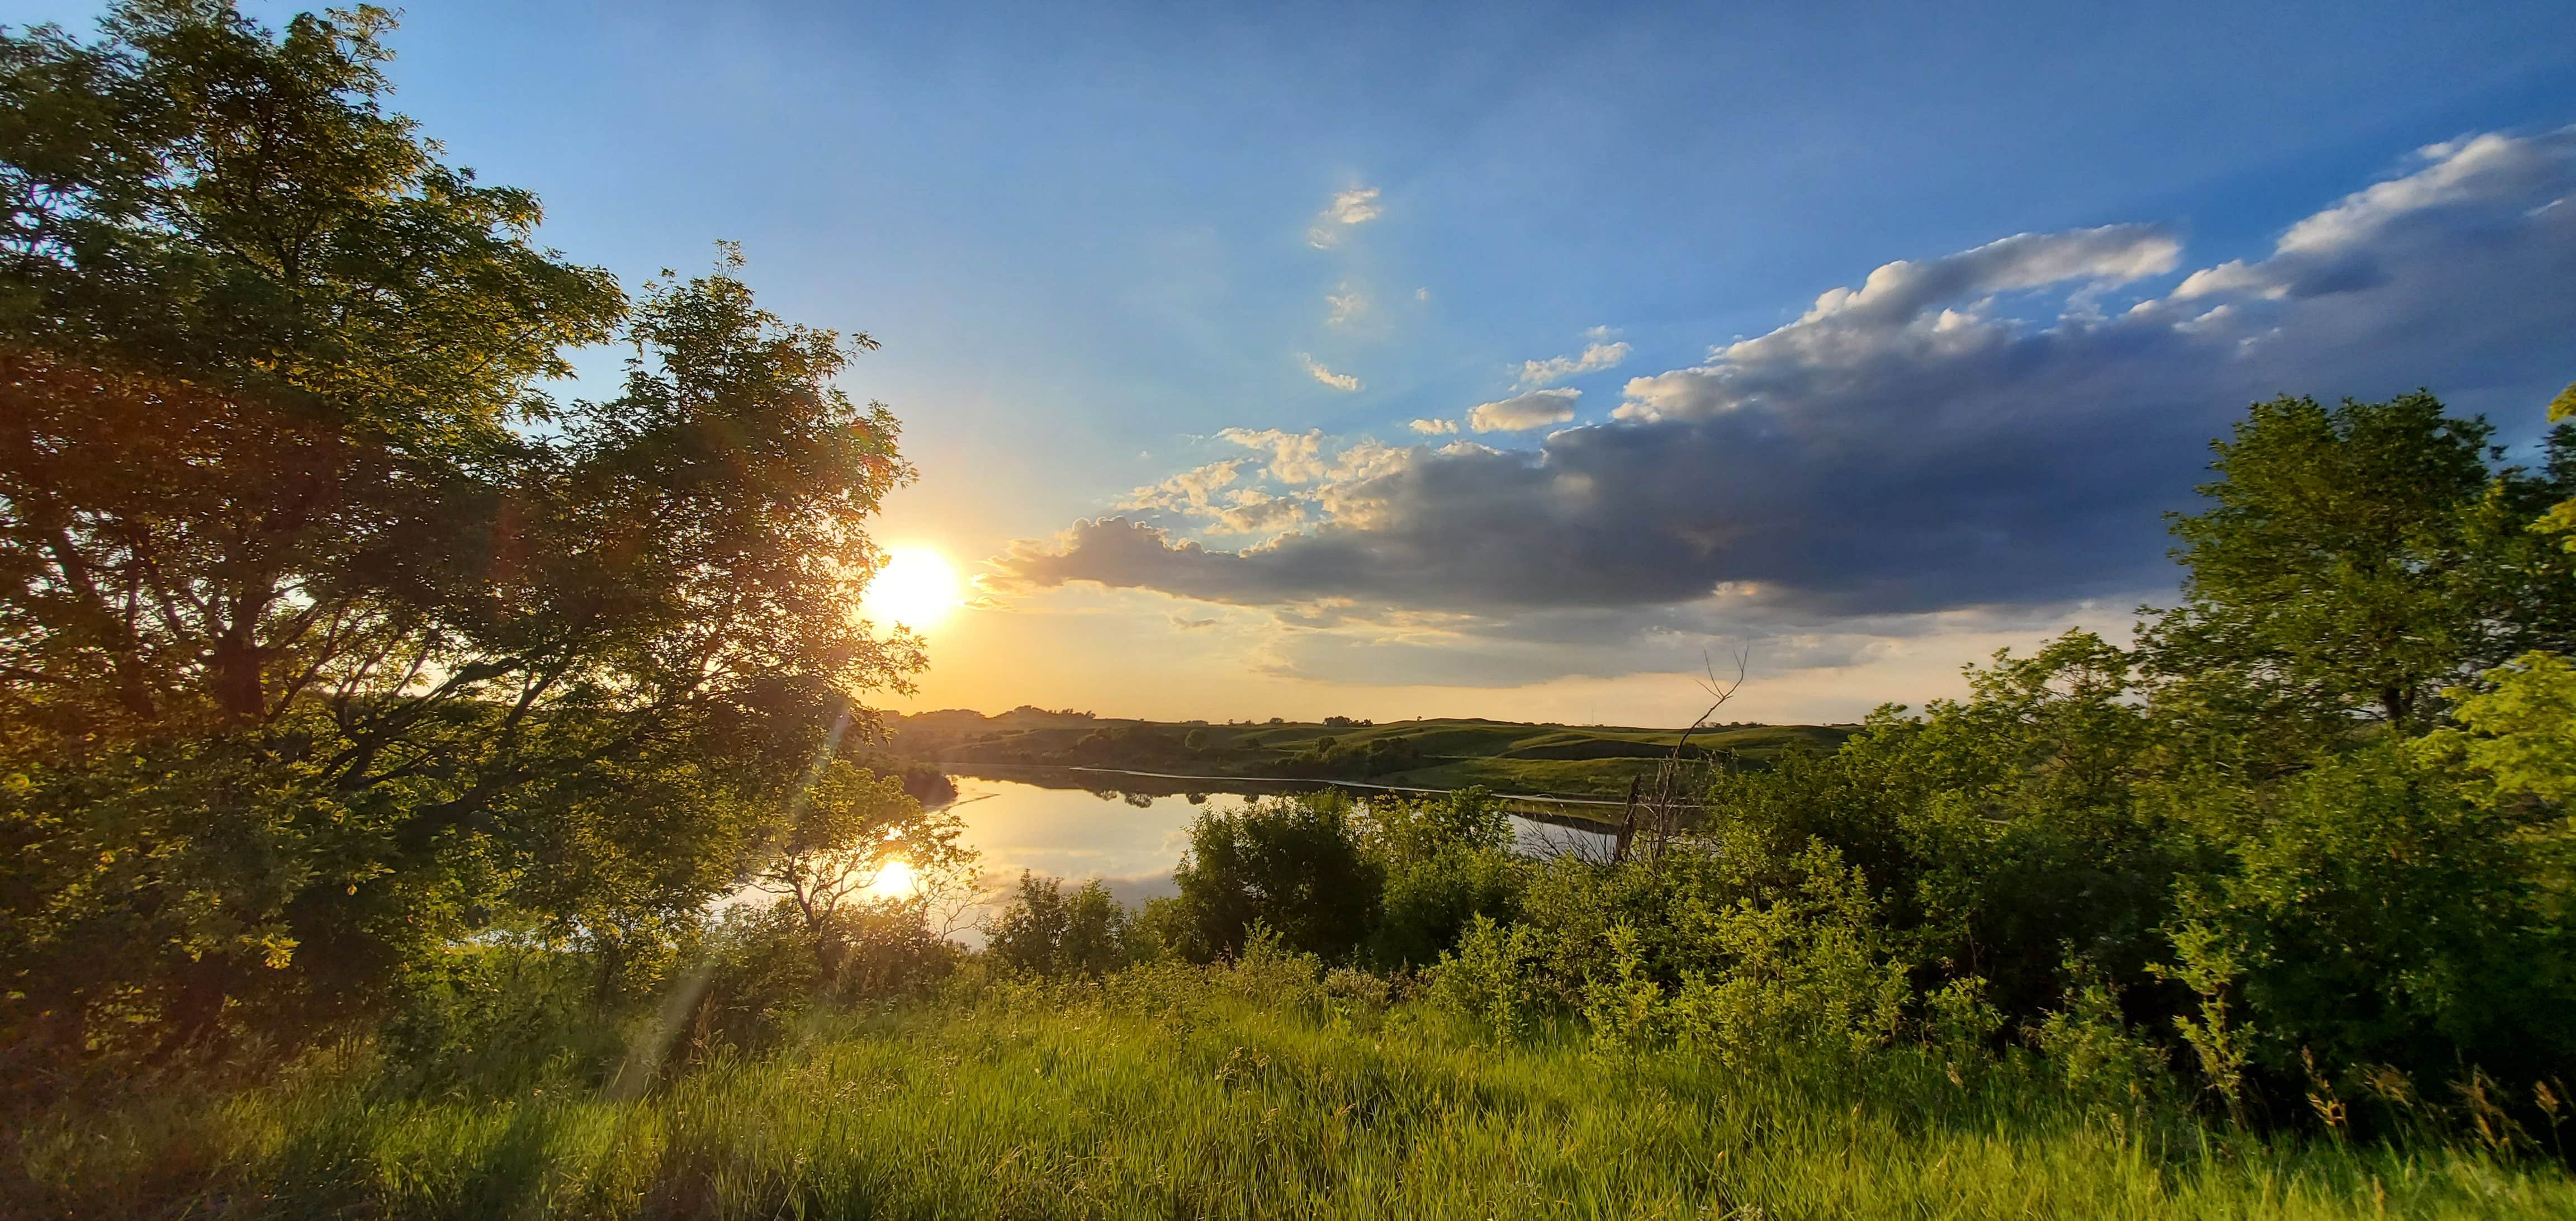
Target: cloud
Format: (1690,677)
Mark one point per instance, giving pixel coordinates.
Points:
(1906,314)
(1357,206)
(1596,355)
(1536,409)
(1343,382)
(1433,427)
(1344,306)
(1188,491)
(1985,437)
(1256,512)
(1295,457)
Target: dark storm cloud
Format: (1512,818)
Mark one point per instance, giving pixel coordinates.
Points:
(1905,447)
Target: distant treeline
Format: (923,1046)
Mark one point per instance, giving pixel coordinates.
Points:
(1334,748)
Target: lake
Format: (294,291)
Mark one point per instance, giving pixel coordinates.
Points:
(1130,840)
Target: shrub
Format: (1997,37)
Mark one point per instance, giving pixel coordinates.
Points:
(1443,863)
(1045,933)
(1295,865)
(884,950)
(1492,976)
(2372,912)
(756,971)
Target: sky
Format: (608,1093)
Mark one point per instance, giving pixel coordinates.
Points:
(1506,360)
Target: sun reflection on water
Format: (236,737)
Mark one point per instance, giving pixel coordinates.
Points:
(895,880)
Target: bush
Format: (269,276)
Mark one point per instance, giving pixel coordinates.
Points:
(1045,933)
(499,1016)
(1295,865)
(2372,912)
(756,971)
(1443,862)
(884,950)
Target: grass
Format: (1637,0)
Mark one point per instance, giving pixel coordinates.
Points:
(1179,1093)
(1564,760)
(1557,777)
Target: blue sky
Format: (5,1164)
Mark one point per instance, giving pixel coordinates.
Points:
(1089,239)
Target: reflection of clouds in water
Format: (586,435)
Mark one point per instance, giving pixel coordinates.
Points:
(1130,839)
(1072,833)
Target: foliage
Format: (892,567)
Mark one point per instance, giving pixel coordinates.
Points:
(329,640)
(1741,959)
(2002,829)
(2516,737)
(2361,558)
(2561,518)
(2095,1055)
(1295,866)
(1442,863)
(1045,933)
(2374,913)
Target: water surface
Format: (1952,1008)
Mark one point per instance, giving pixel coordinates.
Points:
(1130,841)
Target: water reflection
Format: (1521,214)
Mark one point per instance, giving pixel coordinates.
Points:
(1131,840)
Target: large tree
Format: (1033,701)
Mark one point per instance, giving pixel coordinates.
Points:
(2358,559)
(327,636)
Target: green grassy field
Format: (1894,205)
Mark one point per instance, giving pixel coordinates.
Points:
(1186,1092)
(1566,760)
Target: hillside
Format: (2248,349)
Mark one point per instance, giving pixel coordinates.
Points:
(1564,760)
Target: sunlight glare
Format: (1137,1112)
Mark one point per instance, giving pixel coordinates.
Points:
(917,588)
(895,881)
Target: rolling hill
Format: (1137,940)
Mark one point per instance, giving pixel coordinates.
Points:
(1564,760)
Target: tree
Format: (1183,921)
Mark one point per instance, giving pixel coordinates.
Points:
(328,637)
(2561,518)
(2357,560)
(841,839)
(255,336)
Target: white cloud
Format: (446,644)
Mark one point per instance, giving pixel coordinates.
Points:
(1188,491)
(1345,305)
(1343,382)
(1904,312)
(2346,247)
(1536,409)
(1433,428)
(1367,459)
(2455,172)
(1601,353)
(1295,457)
(1357,206)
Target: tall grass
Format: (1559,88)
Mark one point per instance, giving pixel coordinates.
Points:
(1173,1092)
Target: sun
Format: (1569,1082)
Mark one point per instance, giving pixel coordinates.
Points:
(917,588)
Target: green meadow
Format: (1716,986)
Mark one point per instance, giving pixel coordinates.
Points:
(1263,1090)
